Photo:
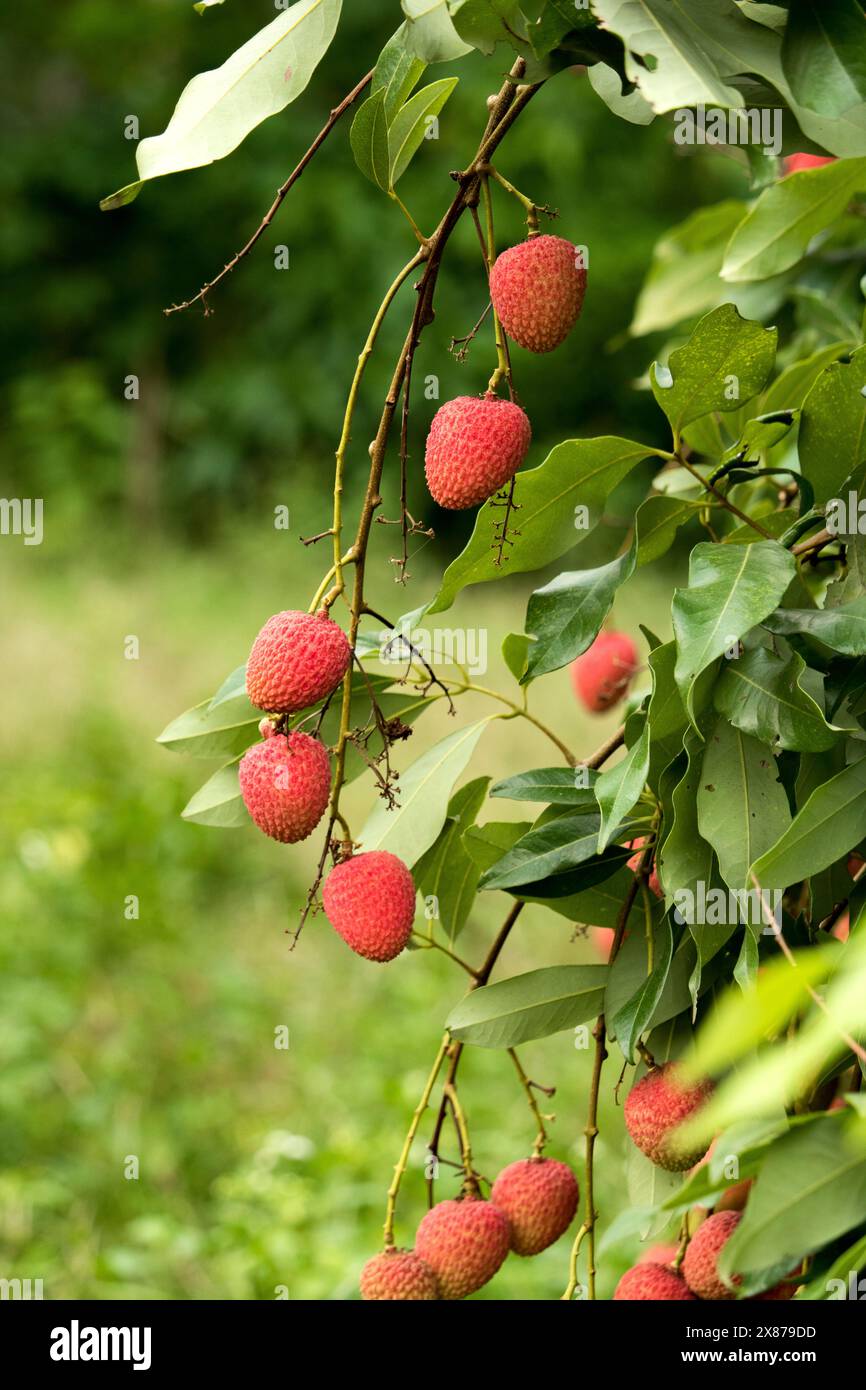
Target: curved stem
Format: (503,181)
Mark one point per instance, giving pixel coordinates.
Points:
(502,364)
(541,1140)
(402,1162)
(427,943)
(449,1092)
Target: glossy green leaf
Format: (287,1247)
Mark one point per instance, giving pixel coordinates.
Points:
(218,802)
(563,785)
(832,441)
(447,873)
(824,54)
(409,127)
(529,1006)
(635,1016)
(430,32)
(369,140)
(742,805)
(760,694)
(831,823)
(725,362)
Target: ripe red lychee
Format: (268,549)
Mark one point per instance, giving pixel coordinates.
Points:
(297,659)
(398,1276)
(601,676)
(464,1241)
(539,1197)
(700,1266)
(285,783)
(634,864)
(537,290)
(370,900)
(652,1281)
(476,444)
(794,163)
(655,1109)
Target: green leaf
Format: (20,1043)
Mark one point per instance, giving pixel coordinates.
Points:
(791,386)
(556,784)
(629,971)
(213,731)
(684,857)
(487,843)
(409,127)
(824,54)
(447,872)
(219,801)
(515,648)
(397,72)
(529,1006)
(634,1017)
(485,23)
(369,140)
(811,1190)
(832,441)
(218,109)
(726,362)
(742,806)
(565,616)
(630,106)
(836,1282)
(843,629)
(760,693)
(776,233)
(830,824)
(577,473)
(430,32)
(677,53)
(547,850)
(411,827)
(730,590)
(684,275)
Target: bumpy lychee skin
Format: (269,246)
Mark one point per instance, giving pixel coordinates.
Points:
(539,1197)
(370,900)
(476,444)
(285,784)
(700,1266)
(655,1109)
(464,1242)
(537,290)
(398,1276)
(602,675)
(652,1282)
(297,659)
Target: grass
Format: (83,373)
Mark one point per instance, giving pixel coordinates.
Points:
(155,1142)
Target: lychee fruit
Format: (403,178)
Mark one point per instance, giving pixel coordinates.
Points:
(654,1110)
(370,900)
(795,163)
(539,1197)
(634,864)
(464,1241)
(700,1266)
(601,676)
(297,659)
(537,290)
(398,1276)
(285,783)
(652,1281)
(736,1196)
(476,444)
(659,1255)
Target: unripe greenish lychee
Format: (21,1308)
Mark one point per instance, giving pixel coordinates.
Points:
(464,1241)
(370,900)
(475,445)
(655,1109)
(539,1197)
(398,1276)
(602,674)
(700,1266)
(297,659)
(652,1281)
(537,290)
(285,784)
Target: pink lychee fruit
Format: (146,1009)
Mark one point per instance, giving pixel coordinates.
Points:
(537,290)
(634,864)
(297,659)
(601,676)
(476,444)
(655,1109)
(659,1255)
(464,1241)
(370,900)
(700,1266)
(736,1196)
(398,1276)
(795,163)
(652,1281)
(539,1197)
(285,784)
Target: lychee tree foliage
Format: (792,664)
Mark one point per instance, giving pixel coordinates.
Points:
(741,761)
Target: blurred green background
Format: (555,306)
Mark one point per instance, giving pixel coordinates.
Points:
(154,1037)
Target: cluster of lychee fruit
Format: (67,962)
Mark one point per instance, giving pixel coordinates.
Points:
(297,660)
(477,443)
(462,1242)
(655,1110)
